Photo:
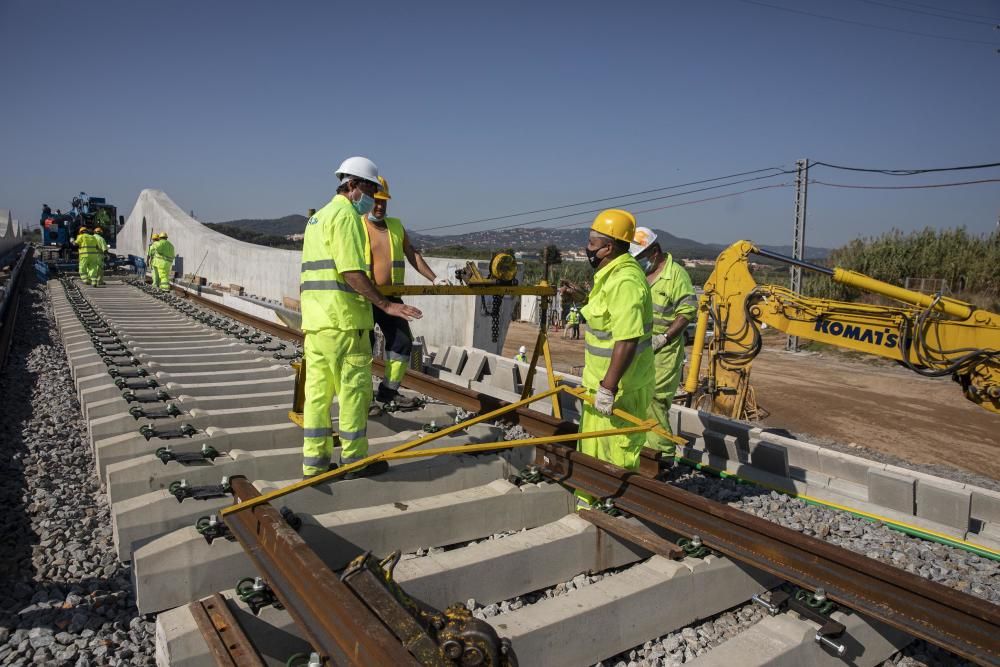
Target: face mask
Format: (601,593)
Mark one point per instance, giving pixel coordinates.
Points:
(646,264)
(593,258)
(375,218)
(364,205)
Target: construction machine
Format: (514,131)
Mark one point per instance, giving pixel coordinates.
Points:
(931,334)
(58,230)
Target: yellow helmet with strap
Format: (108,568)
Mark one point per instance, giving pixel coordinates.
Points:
(616,223)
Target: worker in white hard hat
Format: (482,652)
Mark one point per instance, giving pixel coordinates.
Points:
(573,322)
(390,251)
(337,294)
(618,356)
(674,306)
(522,355)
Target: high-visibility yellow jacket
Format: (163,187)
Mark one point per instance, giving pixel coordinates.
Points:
(397,256)
(619,308)
(334,242)
(673,296)
(164,250)
(573,318)
(88,245)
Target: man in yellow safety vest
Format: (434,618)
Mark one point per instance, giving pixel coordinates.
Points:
(98,266)
(618,354)
(674,306)
(88,250)
(163,262)
(389,246)
(337,294)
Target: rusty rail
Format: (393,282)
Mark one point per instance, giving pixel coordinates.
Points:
(956,621)
(225,637)
(336,623)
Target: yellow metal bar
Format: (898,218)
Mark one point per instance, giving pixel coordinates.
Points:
(522,442)
(463,290)
(582,394)
(343,470)
(556,410)
(697,348)
(951,307)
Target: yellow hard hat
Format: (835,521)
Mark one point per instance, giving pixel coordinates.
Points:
(98,230)
(616,223)
(163,235)
(155,236)
(383,192)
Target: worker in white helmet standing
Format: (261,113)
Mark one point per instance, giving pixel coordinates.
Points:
(674,305)
(337,294)
(522,355)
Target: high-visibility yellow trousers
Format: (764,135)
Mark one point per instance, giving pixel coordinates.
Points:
(84,269)
(621,450)
(668,363)
(97,275)
(161,273)
(338,363)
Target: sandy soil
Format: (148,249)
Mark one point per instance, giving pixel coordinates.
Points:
(830,397)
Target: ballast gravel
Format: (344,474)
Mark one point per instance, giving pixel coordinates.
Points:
(65,600)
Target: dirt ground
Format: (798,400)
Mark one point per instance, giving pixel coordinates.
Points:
(830,397)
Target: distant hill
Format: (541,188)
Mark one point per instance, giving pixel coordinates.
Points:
(290,224)
(519,238)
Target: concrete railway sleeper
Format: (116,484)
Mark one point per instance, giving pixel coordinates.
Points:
(474,531)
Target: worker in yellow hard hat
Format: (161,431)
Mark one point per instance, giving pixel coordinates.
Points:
(390,251)
(618,355)
(88,250)
(98,261)
(674,306)
(337,294)
(163,262)
(151,254)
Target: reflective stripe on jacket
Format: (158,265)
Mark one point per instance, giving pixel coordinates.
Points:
(334,242)
(619,308)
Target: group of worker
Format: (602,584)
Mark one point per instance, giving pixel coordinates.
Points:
(91,248)
(160,259)
(637,312)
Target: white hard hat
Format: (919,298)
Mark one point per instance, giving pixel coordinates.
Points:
(644,237)
(359,167)
(522,349)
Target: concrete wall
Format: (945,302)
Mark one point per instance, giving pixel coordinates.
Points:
(273,273)
(10,232)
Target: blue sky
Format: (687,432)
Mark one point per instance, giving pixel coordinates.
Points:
(473,109)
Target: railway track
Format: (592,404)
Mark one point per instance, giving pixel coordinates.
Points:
(186,411)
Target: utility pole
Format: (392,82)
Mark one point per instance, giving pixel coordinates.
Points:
(799,236)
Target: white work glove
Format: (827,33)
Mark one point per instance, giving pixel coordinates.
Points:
(660,341)
(442,281)
(604,400)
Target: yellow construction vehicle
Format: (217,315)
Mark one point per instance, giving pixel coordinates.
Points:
(932,335)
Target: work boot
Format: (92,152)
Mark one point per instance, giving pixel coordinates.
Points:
(369,470)
(387,396)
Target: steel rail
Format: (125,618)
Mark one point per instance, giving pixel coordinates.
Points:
(11,303)
(226,639)
(335,621)
(955,621)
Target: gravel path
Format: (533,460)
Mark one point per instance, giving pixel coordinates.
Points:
(65,599)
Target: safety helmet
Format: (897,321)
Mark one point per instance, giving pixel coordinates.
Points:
(163,235)
(383,192)
(155,236)
(644,237)
(98,230)
(84,230)
(522,349)
(358,167)
(616,223)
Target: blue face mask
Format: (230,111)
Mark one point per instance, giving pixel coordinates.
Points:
(646,264)
(364,205)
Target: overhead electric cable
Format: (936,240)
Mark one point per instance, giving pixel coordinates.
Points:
(869,25)
(917,11)
(950,11)
(779,171)
(903,187)
(905,172)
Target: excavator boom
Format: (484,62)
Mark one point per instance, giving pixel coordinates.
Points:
(932,335)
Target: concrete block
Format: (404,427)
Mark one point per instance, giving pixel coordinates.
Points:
(505,376)
(474,366)
(769,457)
(943,505)
(453,378)
(845,466)
(491,390)
(847,490)
(985,504)
(801,454)
(454,359)
(891,490)
(725,446)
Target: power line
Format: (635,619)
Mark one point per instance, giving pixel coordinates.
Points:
(917,11)
(868,25)
(905,172)
(950,11)
(904,187)
(592,201)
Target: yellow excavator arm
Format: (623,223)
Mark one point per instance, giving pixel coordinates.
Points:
(932,335)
